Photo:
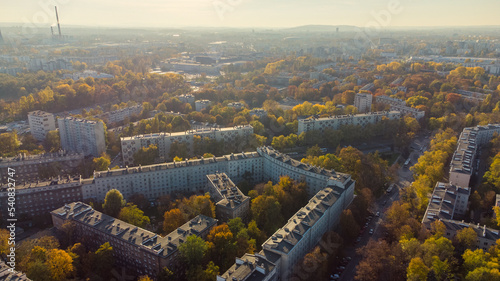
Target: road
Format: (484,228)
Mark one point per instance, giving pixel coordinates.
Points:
(381,205)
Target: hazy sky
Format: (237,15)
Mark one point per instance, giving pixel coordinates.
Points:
(252,13)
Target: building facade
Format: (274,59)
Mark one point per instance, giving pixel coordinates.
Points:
(400,105)
(163,141)
(41,123)
(30,168)
(187,98)
(137,249)
(121,114)
(363,102)
(82,136)
(335,122)
(199,105)
(230,202)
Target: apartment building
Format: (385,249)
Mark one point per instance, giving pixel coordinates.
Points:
(463,162)
(41,123)
(448,201)
(363,102)
(259,112)
(81,135)
(163,141)
(30,168)
(236,105)
(289,244)
(137,249)
(335,122)
(199,105)
(486,237)
(168,178)
(266,164)
(400,105)
(187,98)
(230,202)
(121,114)
(39,198)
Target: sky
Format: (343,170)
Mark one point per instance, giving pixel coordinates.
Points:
(252,13)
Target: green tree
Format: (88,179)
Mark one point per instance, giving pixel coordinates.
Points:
(104,260)
(102,163)
(193,250)
(9,143)
(146,155)
(133,215)
(113,203)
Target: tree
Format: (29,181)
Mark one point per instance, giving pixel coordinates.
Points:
(350,229)
(417,270)
(466,238)
(220,241)
(146,156)
(9,142)
(113,203)
(60,264)
(102,163)
(104,259)
(236,225)
(4,241)
(314,151)
(266,210)
(172,220)
(52,142)
(193,250)
(144,278)
(133,215)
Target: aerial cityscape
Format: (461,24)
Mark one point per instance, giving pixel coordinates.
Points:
(244,140)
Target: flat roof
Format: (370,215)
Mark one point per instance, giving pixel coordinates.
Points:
(142,238)
(189,132)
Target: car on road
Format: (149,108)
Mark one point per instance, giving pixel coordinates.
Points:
(371,231)
(334,277)
(385,202)
(377,214)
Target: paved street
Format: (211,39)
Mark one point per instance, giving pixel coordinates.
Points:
(381,205)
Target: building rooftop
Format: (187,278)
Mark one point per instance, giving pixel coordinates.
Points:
(21,159)
(442,202)
(64,182)
(80,120)
(461,162)
(481,231)
(231,195)
(387,98)
(304,166)
(316,118)
(189,132)
(249,268)
(146,240)
(7,275)
(40,113)
(285,238)
(172,165)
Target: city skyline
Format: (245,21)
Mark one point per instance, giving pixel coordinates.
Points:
(253,13)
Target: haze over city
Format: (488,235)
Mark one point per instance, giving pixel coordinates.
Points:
(254,13)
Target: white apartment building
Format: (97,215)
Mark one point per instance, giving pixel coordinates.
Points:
(390,101)
(363,102)
(201,104)
(168,178)
(190,176)
(463,162)
(163,141)
(335,122)
(81,135)
(41,123)
(121,114)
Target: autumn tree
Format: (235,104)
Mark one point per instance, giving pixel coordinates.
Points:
(102,163)
(193,250)
(172,220)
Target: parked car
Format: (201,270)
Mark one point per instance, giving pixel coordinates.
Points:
(371,231)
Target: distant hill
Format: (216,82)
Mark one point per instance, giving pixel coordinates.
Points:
(322,28)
